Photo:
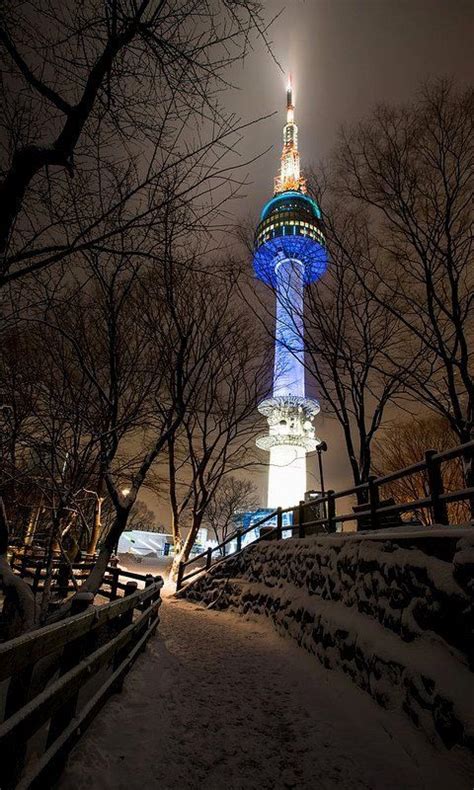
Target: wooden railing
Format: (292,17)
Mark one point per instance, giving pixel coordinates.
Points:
(67,577)
(54,680)
(372,514)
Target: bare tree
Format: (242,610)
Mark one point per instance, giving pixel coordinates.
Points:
(55,448)
(218,430)
(115,138)
(347,336)
(143,518)
(403,444)
(113,369)
(124,341)
(18,395)
(233,497)
(412,169)
(90,87)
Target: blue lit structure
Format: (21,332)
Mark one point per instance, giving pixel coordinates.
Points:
(290,253)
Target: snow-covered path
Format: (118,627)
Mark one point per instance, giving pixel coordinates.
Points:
(222,703)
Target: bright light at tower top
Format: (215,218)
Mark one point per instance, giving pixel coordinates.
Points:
(290,108)
(289,177)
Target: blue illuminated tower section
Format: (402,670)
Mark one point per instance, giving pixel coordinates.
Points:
(290,253)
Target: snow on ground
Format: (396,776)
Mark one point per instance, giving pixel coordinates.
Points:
(157,566)
(220,702)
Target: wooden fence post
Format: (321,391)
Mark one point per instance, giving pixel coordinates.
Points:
(124,621)
(72,654)
(148,582)
(374,502)
(331,500)
(435,482)
(209,558)
(23,566)
(301,529)
(81,602)
(62,579)
(279,532)
(37,578)
(114,572)
(130,588)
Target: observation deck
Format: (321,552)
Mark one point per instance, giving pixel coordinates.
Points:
(290,227)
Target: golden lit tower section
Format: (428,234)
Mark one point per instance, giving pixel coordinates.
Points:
(290,253)
(290,176)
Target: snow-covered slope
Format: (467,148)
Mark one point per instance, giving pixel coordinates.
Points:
(396,614)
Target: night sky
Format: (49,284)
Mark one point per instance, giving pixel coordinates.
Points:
(345,56)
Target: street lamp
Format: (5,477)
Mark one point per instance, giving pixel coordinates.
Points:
(321,448)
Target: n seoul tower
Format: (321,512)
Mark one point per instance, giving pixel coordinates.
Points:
(289,254)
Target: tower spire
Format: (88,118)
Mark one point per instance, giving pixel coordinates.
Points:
(289,178)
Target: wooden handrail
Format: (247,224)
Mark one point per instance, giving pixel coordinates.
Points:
(83,648)
(347,491)
(35,569)
(455,452)
(408,470)
(436,500)
(229,539)
(28,648)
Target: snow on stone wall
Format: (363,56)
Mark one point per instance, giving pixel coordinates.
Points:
(395,613)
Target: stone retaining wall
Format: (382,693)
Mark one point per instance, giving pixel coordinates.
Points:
(394,612)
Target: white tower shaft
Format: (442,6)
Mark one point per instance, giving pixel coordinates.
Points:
(287,471)
(289,412)
(288,372)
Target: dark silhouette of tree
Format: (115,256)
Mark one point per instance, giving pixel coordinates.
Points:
(233,497)
(117,95)
(403,444)
(217,434)
(411,170)
(117,159)
(348,334)
(141,517)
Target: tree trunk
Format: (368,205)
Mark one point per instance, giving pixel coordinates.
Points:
(33,523)
(97,527)
(182,554)
(19,610)
(177,558)
(468,471)
(94,580)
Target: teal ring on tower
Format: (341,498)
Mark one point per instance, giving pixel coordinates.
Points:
(290,227)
